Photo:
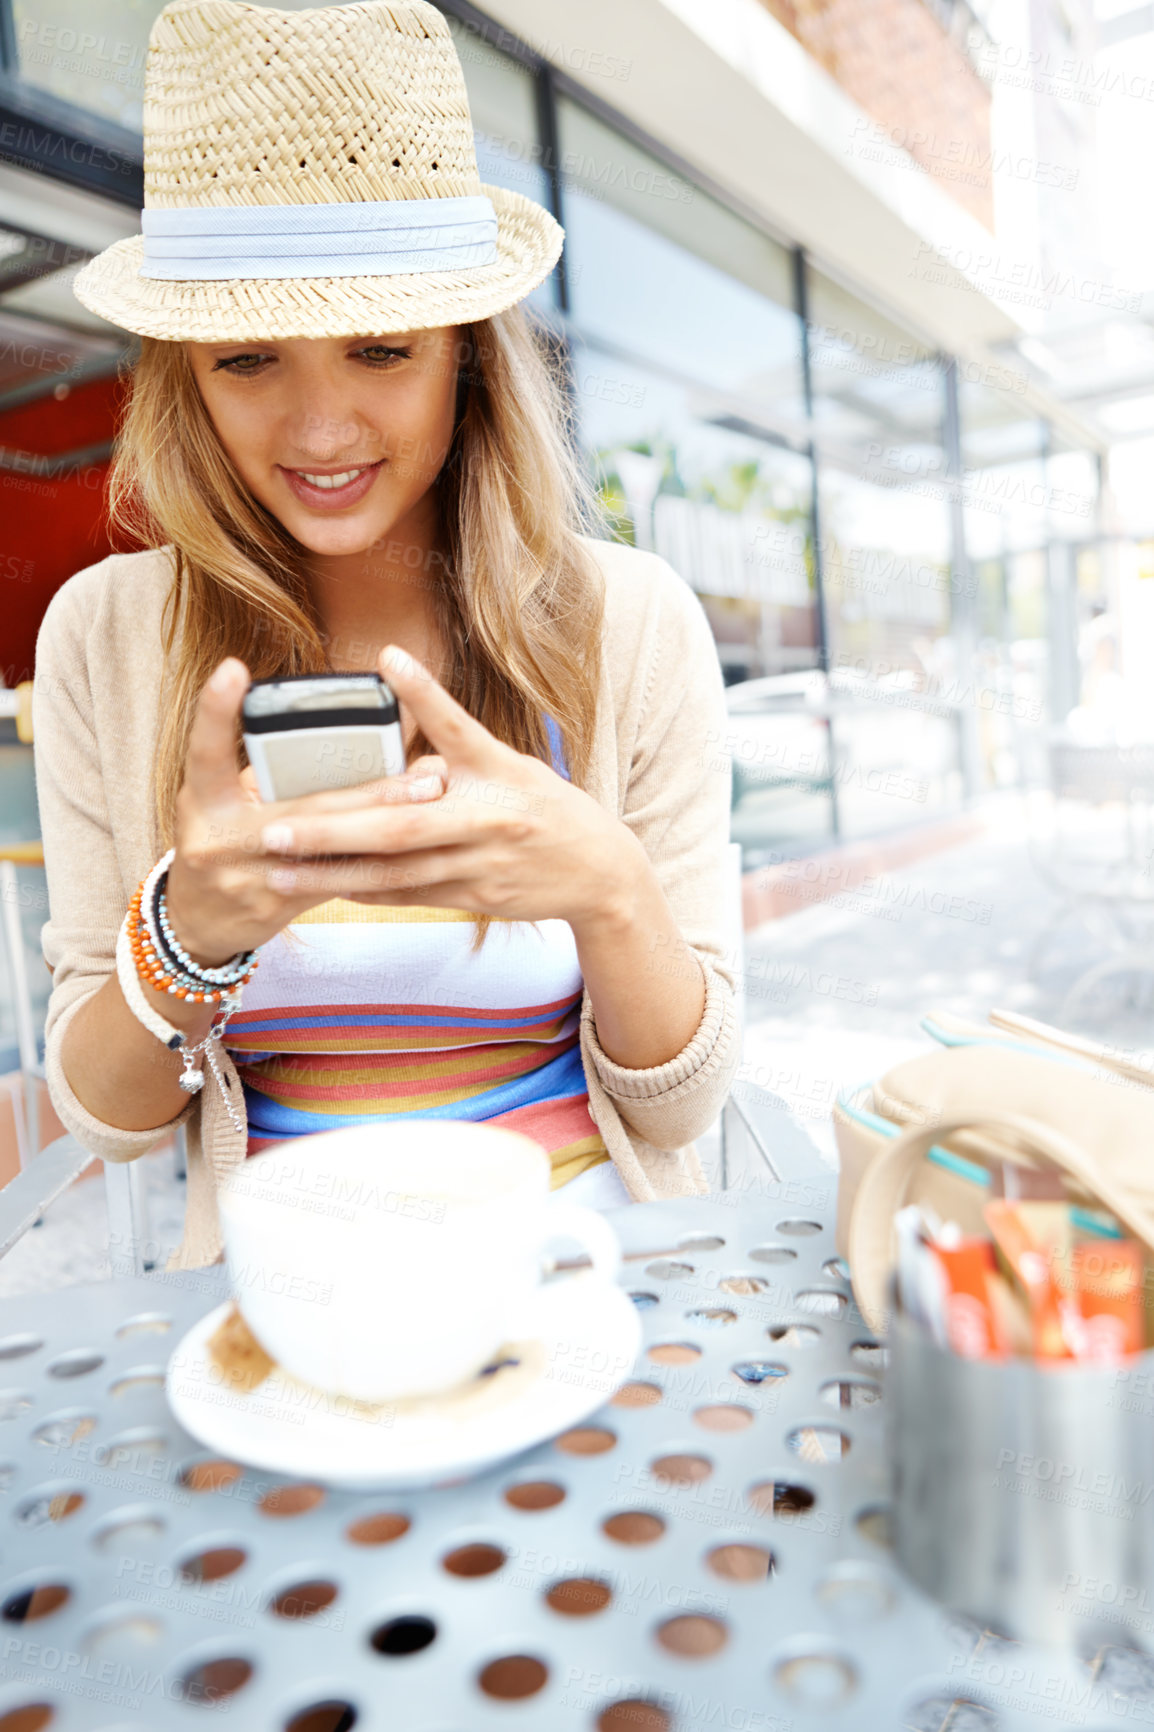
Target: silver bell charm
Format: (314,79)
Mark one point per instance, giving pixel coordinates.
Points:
(191,1080)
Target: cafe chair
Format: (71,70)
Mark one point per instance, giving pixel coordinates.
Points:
(46,1172)
(1096,852)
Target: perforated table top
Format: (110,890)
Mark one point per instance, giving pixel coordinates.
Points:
(706,1551)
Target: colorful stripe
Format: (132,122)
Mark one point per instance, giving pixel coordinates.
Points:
(321,1048)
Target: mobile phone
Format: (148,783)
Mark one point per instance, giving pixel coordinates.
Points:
(309,733)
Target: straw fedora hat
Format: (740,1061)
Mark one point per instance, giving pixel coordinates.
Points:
(312,174)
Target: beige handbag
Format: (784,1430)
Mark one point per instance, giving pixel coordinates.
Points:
(941,1128)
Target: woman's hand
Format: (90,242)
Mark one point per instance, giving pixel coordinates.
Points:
(509,836)
(225,892)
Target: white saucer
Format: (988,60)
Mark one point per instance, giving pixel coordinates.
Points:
(580,1345)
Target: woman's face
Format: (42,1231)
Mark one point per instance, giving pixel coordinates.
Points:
(339,437)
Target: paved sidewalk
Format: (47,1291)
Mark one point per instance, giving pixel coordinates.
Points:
(834,995)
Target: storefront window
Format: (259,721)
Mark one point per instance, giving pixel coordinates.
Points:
(663,271)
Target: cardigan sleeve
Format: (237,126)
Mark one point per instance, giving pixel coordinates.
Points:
(677,803)
(86,897)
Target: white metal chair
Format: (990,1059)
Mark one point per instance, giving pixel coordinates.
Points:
(1104,873)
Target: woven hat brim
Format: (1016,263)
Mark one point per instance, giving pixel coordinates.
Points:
(529,241)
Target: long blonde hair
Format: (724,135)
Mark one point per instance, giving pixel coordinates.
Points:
(518,599)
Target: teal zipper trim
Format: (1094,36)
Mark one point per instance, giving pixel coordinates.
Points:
(970,1170)
(1088,1221)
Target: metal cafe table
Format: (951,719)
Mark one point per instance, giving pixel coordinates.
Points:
(708,1550)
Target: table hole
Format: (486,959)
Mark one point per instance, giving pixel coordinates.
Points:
(323,1717)
(742,1286)
(874,1524)
(693,1636)
(777,1497)
(1125,1672)
(134,1630)
(637,1395)
(29,1717)
(303,1599)
(741,1563)
(400,1636)
(850,1393)
(128,1529)
(579,1596)
(835,1269)
(674,1353)
(135,1449)
(136,1381)
(380,1529)
(856,1594)
(643,1301)
(759,1370)
(949,1714)
(818,1302)
(700,1242)
(535,1494)
(817,1680)
(794,1334)
(818,1443)
(798,1229)
(215,1680)
(212,1474)
(27,1605)
(773,1254)
(17,1346)
(634,1527)
(664,1270)
(712,1317)
(634,1715)
(144,1323)
(477,1559)
(78,1362)
(513,1677)
(47,1506)
(871,1354)
(60,1430)
(724,1416)
(291,1500)
(683,1469)
(586,1440)
(212,1565)
(14,1402)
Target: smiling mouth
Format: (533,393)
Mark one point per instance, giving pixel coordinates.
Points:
(328,483)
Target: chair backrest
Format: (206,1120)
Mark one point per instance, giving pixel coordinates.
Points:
(734,924)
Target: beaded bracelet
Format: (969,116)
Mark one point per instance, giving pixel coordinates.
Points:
(173,971)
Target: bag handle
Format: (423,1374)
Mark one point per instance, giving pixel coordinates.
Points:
(882,1189)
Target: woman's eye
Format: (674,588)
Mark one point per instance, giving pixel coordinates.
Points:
(381,353)
(237,363)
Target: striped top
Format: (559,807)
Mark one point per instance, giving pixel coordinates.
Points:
(362,1012)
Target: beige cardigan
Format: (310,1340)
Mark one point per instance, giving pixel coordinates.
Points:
(658,762)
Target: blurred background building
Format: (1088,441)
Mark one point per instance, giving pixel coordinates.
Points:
(857,301)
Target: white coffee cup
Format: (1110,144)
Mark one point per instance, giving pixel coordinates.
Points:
(386,1260)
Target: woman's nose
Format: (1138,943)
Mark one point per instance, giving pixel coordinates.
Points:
(326,433)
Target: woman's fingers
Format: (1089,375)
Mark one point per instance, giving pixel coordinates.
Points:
(425,779)
(454,732)
(211,777)
(367,876)
(369,830)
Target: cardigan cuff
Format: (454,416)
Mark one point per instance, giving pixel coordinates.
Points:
(108,1142)
(684,1068)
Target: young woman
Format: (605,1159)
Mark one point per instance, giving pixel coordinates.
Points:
(350,451)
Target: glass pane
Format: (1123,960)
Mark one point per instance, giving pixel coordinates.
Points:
(503,108)
(88,52)
(665,271)
(731,515)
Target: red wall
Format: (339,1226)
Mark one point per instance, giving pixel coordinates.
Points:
(52,525)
